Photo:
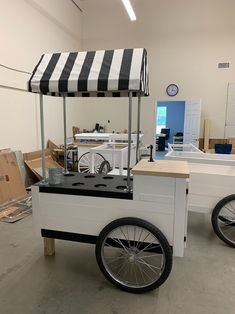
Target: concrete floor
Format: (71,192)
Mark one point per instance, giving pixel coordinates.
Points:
(203,282)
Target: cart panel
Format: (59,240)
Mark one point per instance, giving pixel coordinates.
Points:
(207,189)
(89,215)
(147,188)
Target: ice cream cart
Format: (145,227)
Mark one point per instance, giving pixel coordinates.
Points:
(137,223)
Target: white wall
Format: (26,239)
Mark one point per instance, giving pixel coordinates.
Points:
(29,28)
(185,41)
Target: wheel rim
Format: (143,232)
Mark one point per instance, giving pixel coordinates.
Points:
(84,163)
(133,256)
(226,221)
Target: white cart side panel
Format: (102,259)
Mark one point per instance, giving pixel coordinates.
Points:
(202,158)
(206,190)
(166,191)
(153,188)
(180,217)
(36,209)
(89,215)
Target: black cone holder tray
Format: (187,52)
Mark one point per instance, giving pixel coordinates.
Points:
(97,185)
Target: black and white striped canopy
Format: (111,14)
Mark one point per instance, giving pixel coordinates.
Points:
(100,73)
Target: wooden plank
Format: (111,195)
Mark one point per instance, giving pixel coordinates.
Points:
(231,140)
(163,168)
(8,211)
(214,141)
(35,155)
(49,247)
(206,134)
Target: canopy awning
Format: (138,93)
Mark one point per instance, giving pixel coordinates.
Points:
(103,73)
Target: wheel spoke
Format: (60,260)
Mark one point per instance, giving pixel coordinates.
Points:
(134,234)
(128,236)
(231,230)
(119,242)
(146,274)
(124,264)
(125,236)
(149,256)
(146,237)
(230,210)
(149,266)
(228,224)
(139,238)
(231,206)
(125,272)
(135,274)
(146,247)
(141,272)
(115,257)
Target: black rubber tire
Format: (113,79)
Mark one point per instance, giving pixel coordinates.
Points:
(87,154)
(104,164)
(156,232)
(215,215)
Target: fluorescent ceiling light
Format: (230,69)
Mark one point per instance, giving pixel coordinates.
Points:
(129,9)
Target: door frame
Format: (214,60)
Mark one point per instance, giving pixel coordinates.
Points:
(171,100)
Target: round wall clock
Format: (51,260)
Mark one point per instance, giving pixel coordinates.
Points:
(172,90)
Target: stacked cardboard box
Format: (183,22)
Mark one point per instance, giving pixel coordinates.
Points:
(11,183)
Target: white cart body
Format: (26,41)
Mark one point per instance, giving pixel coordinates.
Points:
(208,184)
(159,196)
(192,155)
(91,141)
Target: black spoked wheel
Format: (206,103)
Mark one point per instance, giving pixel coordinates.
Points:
(134,255)
(105,167)
(84,162)
(223,220)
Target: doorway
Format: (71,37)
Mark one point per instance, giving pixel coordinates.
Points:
(177,122)
(170,117)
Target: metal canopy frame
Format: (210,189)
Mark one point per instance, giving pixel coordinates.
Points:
(66,172)
(101,73)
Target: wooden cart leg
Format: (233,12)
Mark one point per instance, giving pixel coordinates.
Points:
(49,246)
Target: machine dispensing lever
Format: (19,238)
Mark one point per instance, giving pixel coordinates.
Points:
(151,153)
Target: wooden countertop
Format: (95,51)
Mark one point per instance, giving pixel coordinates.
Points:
(163,168)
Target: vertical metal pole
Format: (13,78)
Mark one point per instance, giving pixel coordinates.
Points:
(138,129)
(129,143)
(42,139)
(65,136)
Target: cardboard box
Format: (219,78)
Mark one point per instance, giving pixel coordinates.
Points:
(34,161)
(11,182)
